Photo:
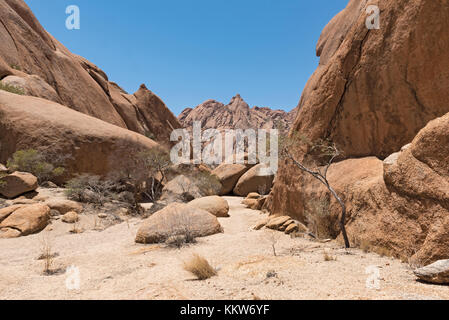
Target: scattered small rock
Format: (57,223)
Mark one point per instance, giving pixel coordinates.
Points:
(18,183)
(49,185)
(64,206)
(70,217)
(277,222)
(253,195)
(261,224)
(437,273)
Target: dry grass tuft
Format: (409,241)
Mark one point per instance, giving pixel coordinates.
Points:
(367,247)
(384,252)
(200,267)
(328,257)
(76,228)
(47,255)
(320,221)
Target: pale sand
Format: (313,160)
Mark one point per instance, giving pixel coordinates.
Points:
(112,266)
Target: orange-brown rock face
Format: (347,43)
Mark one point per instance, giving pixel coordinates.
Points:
(90,145)
(399,206)
(374,89)
(44,68)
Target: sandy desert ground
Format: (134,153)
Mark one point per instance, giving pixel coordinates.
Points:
(112,266)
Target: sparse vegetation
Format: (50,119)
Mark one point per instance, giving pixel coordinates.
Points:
(199,267)
(208,184)
(181,233)
(327,257)
(316,160)
(150,135)
(180,240)
(76,229)
(36,163)
(319,219)
(16,67)
(47,256)
(2,182)
(158,161)
(12,89)
(263,189)
(274,238)
(91,189)
(366,246)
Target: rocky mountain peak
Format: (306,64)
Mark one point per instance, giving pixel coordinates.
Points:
(235,115)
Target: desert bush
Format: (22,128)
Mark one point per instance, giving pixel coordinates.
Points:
(36,163)
(91,189)
(208,184)
(320,220)
(150,135)
(16,67)
(327,257)
(12,89)
(274,238)
(158,162)
(199,267)
(2,182)
(263,189)
(180,240)
(315,159)
(181,232)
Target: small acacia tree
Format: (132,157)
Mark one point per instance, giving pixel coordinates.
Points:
(318,157)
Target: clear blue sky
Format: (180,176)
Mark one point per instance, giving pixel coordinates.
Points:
(188,51)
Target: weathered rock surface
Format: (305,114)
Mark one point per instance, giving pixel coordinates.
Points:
(90,145)
(23,220)
(17,183)
(64,206)
(213,204)
(276,222)
(253,195)
(229,175)
(257,179)
(255,204)
(181,189)
(350,99)
(35,61)
(177,219)
(437,272)
(399,206)
(70,217)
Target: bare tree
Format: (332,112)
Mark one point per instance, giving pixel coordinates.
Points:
(158,161)
(327,152)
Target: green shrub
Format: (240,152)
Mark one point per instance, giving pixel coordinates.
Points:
(11,88)
(36,163)
(2,182)
(150,135)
